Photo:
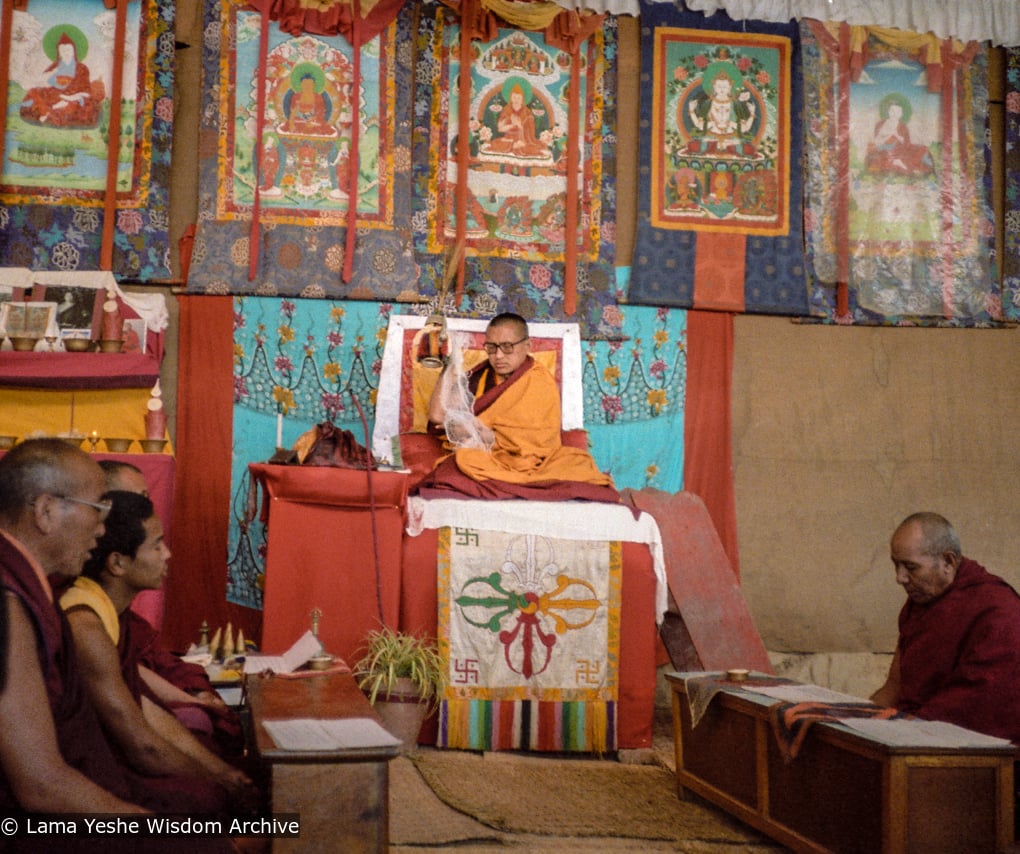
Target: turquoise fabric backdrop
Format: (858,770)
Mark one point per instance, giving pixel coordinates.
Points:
(298,358)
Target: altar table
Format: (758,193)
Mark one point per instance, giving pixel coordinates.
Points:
(844,791)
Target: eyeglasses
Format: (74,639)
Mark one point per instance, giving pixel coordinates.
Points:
(506,347)
(103,508)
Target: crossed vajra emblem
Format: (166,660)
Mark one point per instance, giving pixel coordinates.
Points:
(529,602)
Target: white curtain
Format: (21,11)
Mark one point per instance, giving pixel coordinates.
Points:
(997,21)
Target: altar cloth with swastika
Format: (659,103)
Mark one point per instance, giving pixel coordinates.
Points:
(529,630)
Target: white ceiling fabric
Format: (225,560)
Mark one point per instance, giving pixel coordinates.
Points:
(997,21)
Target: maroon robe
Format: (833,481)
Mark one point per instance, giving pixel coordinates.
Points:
(80,736)
(218,729)
(960,655)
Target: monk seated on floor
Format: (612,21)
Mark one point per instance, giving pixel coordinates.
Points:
(501,422)
(130,556)
(55,757)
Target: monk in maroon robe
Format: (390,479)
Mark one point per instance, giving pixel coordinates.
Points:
(54,756)
(197,705)
(958,655)
(130,556)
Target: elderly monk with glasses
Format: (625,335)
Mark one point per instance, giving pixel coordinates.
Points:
(502,424)
(55,756)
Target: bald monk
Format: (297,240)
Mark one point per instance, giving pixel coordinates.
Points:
(54,754)
(516,407)
(958,654)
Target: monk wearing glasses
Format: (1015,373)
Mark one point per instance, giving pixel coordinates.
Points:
(502,423)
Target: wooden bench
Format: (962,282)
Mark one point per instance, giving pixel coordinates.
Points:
(844,791)
(340,795)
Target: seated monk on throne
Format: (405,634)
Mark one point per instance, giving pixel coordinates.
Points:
(67,99)
(517,129)
(502,423)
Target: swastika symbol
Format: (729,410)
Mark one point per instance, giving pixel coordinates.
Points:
(465,536)
(587,672)
(465,671)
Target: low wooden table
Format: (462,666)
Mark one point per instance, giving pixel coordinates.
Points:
(843,791)
(341,796)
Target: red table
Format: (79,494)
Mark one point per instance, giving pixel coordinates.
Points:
(321,554)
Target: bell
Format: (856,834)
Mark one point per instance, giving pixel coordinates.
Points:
(433,350)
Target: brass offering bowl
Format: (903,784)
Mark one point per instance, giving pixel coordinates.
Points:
(118,446)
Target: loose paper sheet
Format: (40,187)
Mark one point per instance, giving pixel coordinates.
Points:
(329,734)
(307,646)
(803,694)
(918,733)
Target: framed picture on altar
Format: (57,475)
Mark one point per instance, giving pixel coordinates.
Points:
(79,307)
(134,335)
(27,319)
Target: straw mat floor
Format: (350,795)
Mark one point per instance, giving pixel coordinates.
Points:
(442,799)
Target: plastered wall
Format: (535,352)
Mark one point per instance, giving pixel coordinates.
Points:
(839,433)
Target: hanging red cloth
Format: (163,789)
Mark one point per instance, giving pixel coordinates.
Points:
(708,443)
(205,411)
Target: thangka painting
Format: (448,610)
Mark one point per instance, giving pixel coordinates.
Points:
(719,221)
(57,135)
(898,222)
(517,171)
(312,101)
(1011,244)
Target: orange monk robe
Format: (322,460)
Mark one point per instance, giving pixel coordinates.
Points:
(523,413)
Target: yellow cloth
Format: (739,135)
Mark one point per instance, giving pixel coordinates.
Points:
(87,592)
(115,413)
(525,420)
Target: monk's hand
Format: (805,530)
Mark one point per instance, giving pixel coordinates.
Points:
(243,792)
(210,698)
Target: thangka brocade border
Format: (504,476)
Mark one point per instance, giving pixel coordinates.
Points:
(917,237)
(696,246)
(303,194)
(515,243)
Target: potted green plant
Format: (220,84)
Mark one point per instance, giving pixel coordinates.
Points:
(403,677)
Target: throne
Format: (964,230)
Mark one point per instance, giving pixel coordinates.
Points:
(546,612)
